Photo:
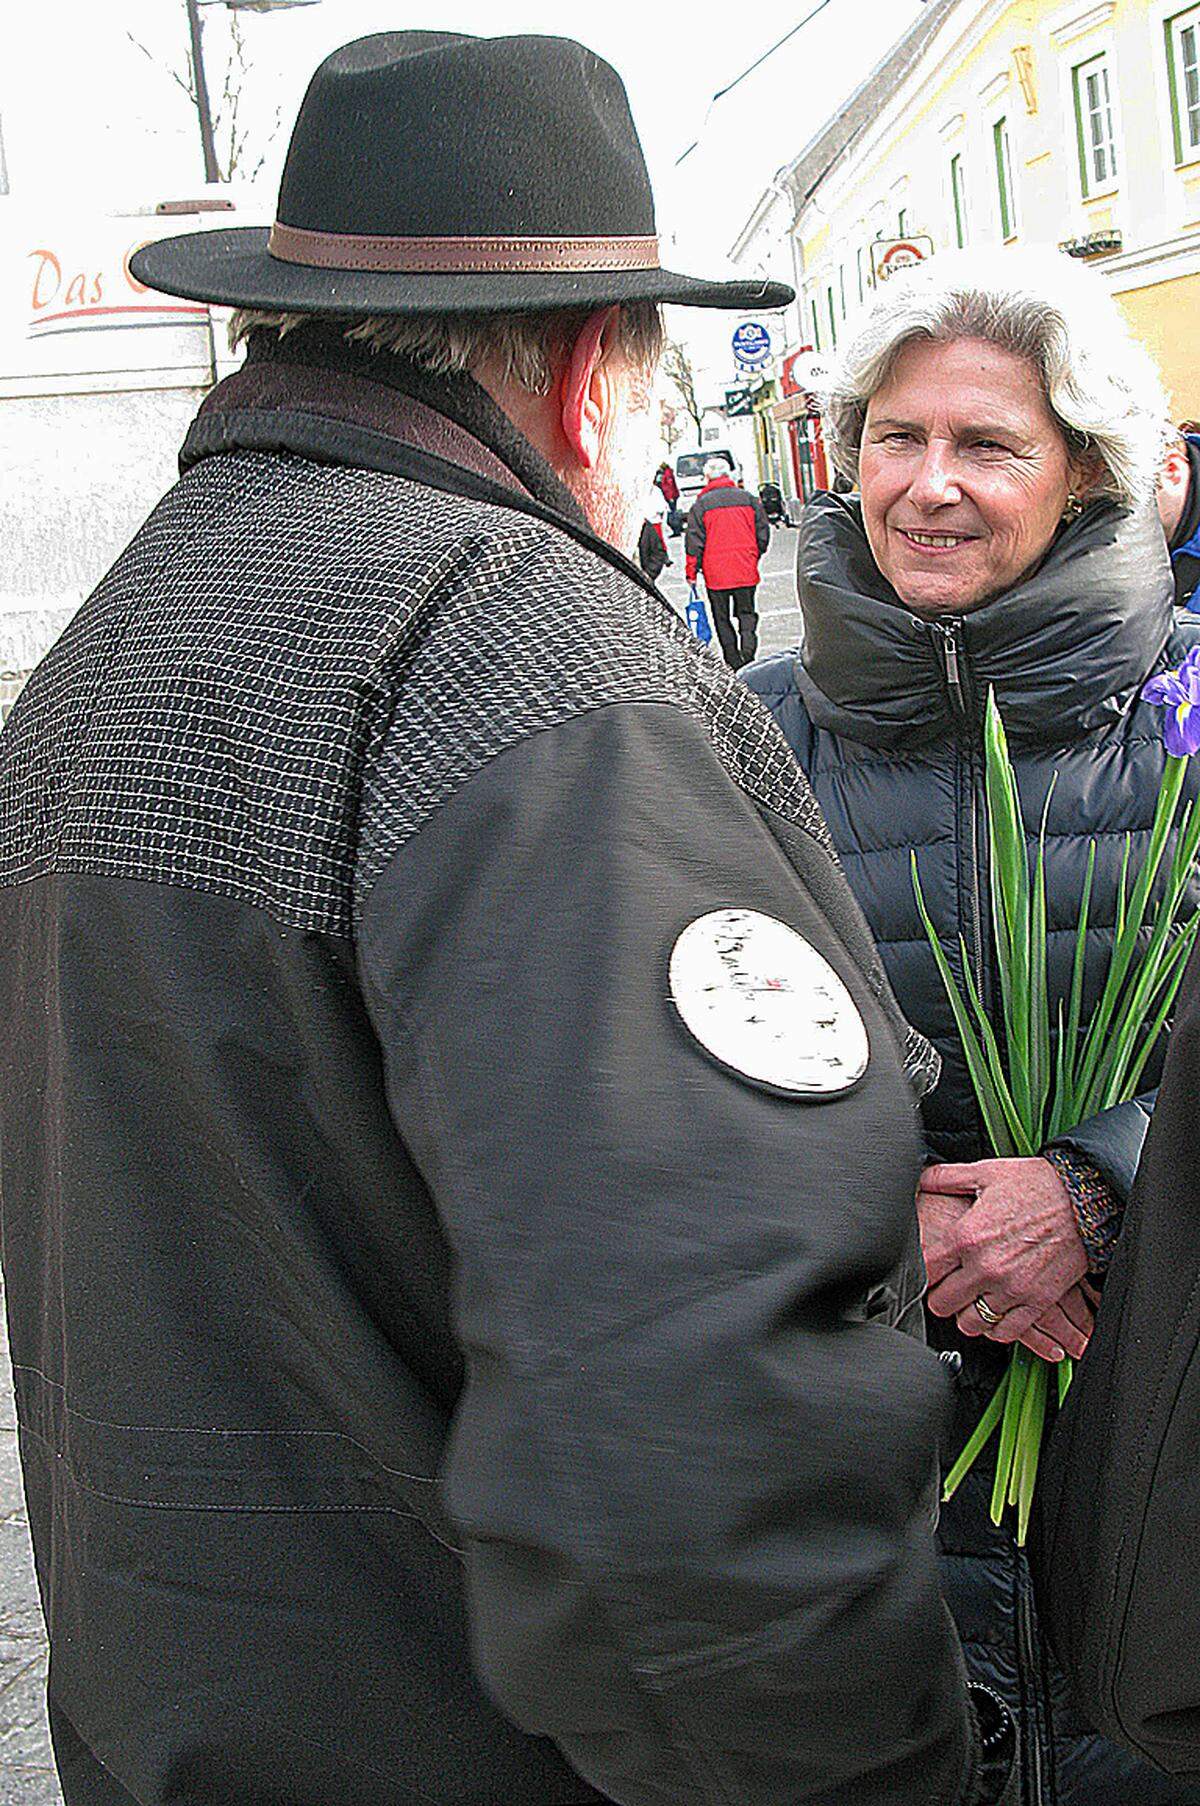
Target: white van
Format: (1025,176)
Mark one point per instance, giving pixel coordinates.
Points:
(689,472)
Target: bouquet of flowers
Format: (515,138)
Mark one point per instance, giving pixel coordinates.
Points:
(1030,1086)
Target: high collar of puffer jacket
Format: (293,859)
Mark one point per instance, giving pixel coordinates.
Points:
(1065,649)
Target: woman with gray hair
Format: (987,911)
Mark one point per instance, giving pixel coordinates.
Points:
(1003,430)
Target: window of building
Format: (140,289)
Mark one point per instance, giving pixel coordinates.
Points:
(1004,180)
(842,287)
(859,258)
(958,191)
(902,223)
(816,320)
(832,318)
(1183,68)
(1094,125)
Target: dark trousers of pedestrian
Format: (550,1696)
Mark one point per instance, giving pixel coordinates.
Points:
(738,645)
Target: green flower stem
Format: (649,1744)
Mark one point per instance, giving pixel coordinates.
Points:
(1033,1417)
(980,1435)
(1018,1375)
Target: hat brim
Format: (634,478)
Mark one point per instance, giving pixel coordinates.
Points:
(233,268)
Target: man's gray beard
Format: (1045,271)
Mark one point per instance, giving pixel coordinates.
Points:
(613,514)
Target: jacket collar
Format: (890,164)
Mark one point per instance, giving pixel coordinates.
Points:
(1065,649)
(313,395)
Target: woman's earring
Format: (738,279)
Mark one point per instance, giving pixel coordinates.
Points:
(1074,507)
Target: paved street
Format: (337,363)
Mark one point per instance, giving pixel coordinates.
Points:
(778,616)
(26,1766)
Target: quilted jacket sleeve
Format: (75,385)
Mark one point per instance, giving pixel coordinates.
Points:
(1112,1142)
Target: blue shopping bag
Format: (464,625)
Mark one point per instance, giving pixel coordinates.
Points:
(697,616)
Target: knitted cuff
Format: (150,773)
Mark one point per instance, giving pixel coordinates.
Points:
(1098,1209)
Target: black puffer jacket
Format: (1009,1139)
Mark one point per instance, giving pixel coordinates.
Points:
(884,712)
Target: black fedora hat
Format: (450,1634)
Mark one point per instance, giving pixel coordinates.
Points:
(431,172)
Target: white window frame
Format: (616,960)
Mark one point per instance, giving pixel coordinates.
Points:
(1184,142)
(1091,185)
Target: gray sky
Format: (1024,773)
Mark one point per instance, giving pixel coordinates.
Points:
(89,120)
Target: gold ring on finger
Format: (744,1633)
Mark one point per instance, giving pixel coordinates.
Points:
(990,1317)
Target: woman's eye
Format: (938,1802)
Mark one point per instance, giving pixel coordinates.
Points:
(989,445)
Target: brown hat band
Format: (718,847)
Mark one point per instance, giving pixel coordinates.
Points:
(459,256)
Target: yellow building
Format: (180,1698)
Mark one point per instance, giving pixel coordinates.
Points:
(1015,122)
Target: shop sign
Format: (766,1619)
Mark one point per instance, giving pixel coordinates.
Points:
(739,401)
(891,255)
(751,344)
(74,317)
(810,372)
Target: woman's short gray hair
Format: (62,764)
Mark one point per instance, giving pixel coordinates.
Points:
(524,347)
(1101,384)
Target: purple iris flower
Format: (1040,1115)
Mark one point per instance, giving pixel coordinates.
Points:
(1179,694)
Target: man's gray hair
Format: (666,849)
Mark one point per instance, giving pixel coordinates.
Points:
(717,467)
(525,348)
(1101,384)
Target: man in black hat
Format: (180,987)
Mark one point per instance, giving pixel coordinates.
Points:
(458,1143)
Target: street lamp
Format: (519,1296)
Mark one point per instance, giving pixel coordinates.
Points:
(211,171)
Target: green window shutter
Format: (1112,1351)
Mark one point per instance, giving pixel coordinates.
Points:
(958,193)
(1000,142)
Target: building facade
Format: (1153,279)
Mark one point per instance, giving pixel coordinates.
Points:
(1022,122)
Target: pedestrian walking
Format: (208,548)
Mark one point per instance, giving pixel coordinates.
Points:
(1000,542)
(727,533)
(449,1297)
(670,492)
(652,553)
(1178,496)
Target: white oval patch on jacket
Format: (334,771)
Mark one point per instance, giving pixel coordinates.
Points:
(766,1005)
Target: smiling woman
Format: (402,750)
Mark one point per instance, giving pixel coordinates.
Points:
(965,473)
(1004,432)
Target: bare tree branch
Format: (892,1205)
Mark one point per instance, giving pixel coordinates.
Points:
(233,137)
(188,86)
(680,372)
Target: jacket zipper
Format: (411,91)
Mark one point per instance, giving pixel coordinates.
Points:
(948,643)
(1027,1655)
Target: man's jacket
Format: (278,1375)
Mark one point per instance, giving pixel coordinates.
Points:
(409,1318)
(885,714)
(727,533)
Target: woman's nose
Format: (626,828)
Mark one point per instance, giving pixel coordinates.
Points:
(935,482)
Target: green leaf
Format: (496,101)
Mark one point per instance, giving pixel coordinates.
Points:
(1067,1116)
(1033,1416)
(977,1441)
(1039,1001)
(999,1090)
(990,1104)
(1018,1376)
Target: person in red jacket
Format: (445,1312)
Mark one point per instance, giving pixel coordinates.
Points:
(727,533)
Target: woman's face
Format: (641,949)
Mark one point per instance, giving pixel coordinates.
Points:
(964,474)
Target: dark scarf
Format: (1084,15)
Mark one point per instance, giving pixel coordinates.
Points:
(1065,649)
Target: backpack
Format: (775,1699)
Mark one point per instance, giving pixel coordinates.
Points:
(1115,1545)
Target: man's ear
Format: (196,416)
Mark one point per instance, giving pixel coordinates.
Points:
(586,387)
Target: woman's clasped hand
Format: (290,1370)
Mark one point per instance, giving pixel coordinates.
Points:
(1004,1232)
